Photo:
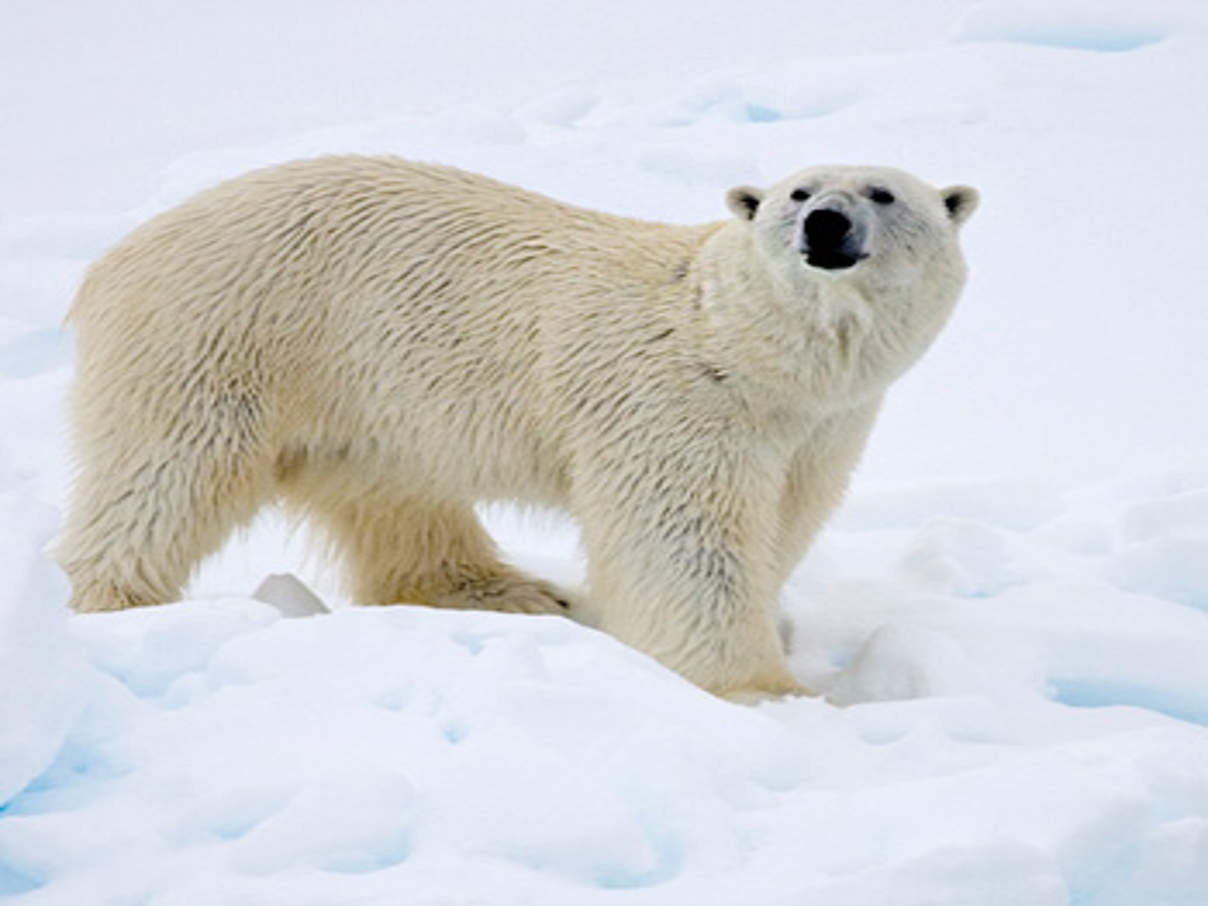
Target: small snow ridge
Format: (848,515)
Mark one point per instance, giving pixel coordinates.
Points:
(899,662)
(1067,25)
(13,881)
(232,815)
(1165,549)
(564,108)
(349,824)
(1175,569)
(995,871)
(578,823)
(78,776)
(1014,504)
(148,649)
(1169,867)
(758,100)
(962,558)
(1182,704)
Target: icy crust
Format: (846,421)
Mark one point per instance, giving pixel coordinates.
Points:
(1091,596)
(391,744)
(353,756)
(1001,722)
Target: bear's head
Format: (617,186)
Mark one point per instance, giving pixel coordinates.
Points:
(849,222)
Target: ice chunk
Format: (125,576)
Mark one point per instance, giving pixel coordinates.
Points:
(290,595)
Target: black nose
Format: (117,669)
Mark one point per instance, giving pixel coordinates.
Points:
(826,229)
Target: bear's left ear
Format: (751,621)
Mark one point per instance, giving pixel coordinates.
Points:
(961,202)
(743,201)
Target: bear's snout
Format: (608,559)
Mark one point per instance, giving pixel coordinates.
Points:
(826,229)
(829,240)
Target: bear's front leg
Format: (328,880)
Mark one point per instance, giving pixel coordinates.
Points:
(682,563)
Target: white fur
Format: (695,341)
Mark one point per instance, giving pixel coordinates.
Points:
(381,344)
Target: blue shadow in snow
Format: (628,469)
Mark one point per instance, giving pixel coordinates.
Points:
(1181,704)
(1088,36)
(757,113)
(75,778)
(13,882)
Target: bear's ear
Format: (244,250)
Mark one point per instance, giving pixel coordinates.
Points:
(961,202)
(743,201)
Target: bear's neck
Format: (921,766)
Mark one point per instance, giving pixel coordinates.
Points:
(800,340)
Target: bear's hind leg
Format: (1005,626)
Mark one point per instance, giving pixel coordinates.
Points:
(142,518)
(410,551)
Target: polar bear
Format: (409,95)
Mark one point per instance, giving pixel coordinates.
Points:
(379,345)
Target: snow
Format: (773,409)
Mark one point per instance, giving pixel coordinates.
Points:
(1006,624)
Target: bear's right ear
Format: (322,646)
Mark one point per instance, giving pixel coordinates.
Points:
(743,201)
(961,202)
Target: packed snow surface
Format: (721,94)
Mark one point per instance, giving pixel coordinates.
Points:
(1006,624)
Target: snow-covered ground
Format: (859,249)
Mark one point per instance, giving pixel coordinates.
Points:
(1008,620)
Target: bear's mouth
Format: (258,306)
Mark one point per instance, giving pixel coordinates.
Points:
(833,259)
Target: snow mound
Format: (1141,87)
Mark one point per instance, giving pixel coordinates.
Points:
(369,751)
(40,668)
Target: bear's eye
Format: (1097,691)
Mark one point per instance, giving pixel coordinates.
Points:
(881,196)
(799,195)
